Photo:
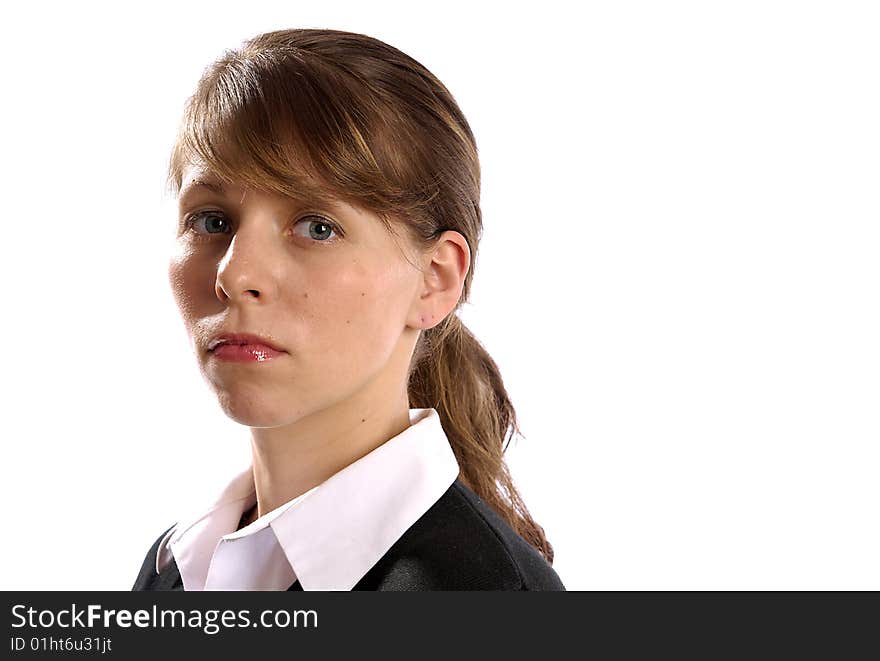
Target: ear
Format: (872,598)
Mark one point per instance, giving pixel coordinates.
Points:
(444,268)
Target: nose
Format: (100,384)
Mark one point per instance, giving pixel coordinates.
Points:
(245,271)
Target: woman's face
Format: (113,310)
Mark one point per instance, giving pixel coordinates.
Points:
(328,285)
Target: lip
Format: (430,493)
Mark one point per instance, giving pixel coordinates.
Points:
(227,341)
(245,353)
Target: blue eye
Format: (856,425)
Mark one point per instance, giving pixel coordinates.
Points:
(319,228)
(213,222)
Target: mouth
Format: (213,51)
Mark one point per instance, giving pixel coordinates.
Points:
(245,353)
(243,339)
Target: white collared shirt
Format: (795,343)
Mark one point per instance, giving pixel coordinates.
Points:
(328,537)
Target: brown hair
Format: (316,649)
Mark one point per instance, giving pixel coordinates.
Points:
(321,113)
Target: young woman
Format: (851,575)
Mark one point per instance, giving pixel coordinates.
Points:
(329,220)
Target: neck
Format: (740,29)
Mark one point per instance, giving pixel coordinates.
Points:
(247,517)
(290,460)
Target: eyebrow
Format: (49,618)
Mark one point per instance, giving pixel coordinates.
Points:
(318,199)
(197,183)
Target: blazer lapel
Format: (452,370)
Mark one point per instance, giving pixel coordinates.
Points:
(169,579)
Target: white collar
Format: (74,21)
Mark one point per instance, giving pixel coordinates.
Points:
(332,534)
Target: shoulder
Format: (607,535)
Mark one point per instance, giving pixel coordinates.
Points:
(147,578)
(461,543)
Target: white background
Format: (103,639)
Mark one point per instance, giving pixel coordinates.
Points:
(678,278)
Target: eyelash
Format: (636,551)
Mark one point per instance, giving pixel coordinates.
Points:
(192,218)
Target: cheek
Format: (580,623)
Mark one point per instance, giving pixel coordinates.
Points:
(186,278)
(360,310)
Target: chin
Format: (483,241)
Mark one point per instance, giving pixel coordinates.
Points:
(254,410)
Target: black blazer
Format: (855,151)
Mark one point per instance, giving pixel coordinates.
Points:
(460,543)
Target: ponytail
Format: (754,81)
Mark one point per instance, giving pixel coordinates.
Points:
(452,373)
